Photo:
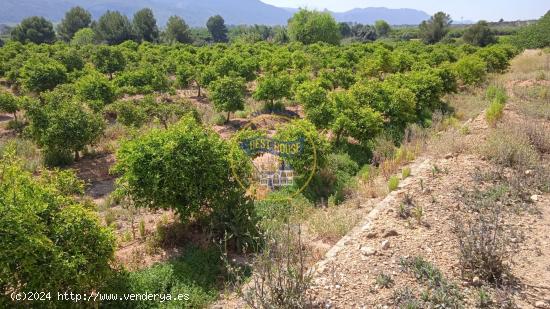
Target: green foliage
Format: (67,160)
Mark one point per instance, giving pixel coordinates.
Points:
(406,172)
(71,59)
(38,75)
(353,119)
(195,274)
(177,31)
(75,20)
(496,93)
(315,146)
(479,34)
(216,27)
(144,79)
(393,183)
(334,179)
(314,99)
(494,112)
(63,126)
(471,70)
(83,37)
(145,26)
(496,58)
(113,27)
(9,103)
(50,241)
(34,30)
(95,89)
(271,88)
(129,113)
(310,27)
(436,28)
(383,29)
(108,60)
(185,168)
(227,94)
(536,35)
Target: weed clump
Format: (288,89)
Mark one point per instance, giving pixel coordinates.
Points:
(393,183)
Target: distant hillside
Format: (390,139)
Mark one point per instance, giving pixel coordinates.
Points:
(196,12)
(392,16)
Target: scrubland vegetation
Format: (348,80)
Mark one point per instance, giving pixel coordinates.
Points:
(159,105)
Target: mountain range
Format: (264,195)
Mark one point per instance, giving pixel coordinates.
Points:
(197,12)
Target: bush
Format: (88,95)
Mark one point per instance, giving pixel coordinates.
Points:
(484,241)
(96,89)
(494,112)
(393,183)
(50,241)
(130,113)
(471,70)
(497,93)
(63,126)
(536,35)
(194,274)
(186,168)
(406,172)
(511,148)
(143,80)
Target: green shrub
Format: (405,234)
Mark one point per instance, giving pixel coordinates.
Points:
(50,241)
(497,93)
(195,274)
(393,183)
(494,112)
(406,172)
(471,70)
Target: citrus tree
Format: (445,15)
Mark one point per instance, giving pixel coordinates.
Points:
(50,240)
(227,94)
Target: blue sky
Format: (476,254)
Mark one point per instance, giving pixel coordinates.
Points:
(467,9)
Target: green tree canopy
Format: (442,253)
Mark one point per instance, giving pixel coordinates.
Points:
(216,27)
(9,103)
(114,28)
(382,28)
(436,28)
(479,34)
(50,240)
(108,60)
(177,31)
(185,168)
(536,35)
(95,89)
(272,87)
(311,27)
(145,25)
(63,126)
(84,36)
(227,94)
(75,19)
(40,74)
(34,29)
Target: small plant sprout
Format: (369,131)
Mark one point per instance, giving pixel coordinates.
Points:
(393,183)
(406,172)
(384,280)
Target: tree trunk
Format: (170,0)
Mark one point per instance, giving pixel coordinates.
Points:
(228,114)
(110,75)
(15,116)
(76,155)
(199,86)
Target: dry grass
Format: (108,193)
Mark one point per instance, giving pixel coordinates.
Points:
(333,223)
(510,147)
(529,65)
